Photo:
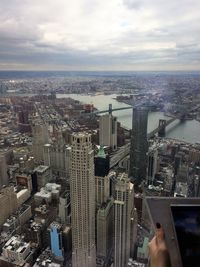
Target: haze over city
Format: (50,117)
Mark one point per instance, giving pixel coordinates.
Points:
(99,35)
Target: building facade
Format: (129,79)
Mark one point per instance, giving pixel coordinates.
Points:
(16,251)
(6,156)
(64,212)
(8,200)
(82,191)
(56,240)
(43,175)
(152,164)
(102,179)
(40,138)
(139,146)
(108,131)
(57,156)
(123,215)
(105,230)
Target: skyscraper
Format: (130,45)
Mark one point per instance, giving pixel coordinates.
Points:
(3,171)
(57,156)
(139,145)
(40,138)
(104,207)
(152,163)
(82,191)
(102,180)
(123,215)
(8,200)
(6,156)
(56,240)
(105,230)
(108,131)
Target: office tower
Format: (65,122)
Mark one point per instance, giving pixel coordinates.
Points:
(102,180)
(177,163)
(123,215)
(23,116)
(105,215)
(108,131)
(64,212)
(3,171)
(43,175)
(196,181)
(104,207)
(82,192)
(194,156)
(152,164)
(40,138)
(139,146)
(174,151)
(56,240)
(6,156)
(57,156)
(67,239)
(8,200)
(24,125)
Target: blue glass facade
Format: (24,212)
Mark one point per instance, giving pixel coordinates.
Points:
(56,243)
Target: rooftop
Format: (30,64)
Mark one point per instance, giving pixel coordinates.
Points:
(41,168)
(16,244)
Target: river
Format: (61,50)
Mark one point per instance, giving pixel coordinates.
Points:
(188,131)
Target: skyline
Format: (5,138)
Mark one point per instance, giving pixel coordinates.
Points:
(127,35)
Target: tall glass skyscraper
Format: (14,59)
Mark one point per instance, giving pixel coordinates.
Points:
(82,191)
(139,145)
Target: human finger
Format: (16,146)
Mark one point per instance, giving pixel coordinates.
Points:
(160,236)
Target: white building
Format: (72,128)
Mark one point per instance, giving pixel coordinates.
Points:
(22,196)
(108,131)
(16,250)
(48,193)
(123,214)
(57,156)
(64,212)
(82,191)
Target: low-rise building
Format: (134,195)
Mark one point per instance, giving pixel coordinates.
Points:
(50,192)
(16,251)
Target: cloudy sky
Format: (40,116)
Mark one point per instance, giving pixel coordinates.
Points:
(100,34)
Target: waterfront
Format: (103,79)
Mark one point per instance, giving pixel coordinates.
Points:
(188,131)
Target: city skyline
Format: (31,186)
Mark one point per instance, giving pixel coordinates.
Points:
(72,199)
(99,35)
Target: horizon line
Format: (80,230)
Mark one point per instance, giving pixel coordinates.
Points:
(64,70)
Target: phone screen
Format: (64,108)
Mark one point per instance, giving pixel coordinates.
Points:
(187,226)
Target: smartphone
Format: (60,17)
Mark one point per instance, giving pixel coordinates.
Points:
(186,220)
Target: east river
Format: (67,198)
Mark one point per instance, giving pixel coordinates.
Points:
(188,131)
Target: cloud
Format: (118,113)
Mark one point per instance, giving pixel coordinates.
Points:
(135,4)
(98,34)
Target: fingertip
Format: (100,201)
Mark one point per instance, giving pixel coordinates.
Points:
(158,225)
(160,233)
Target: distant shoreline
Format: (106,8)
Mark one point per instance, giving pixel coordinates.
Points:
(28,74)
